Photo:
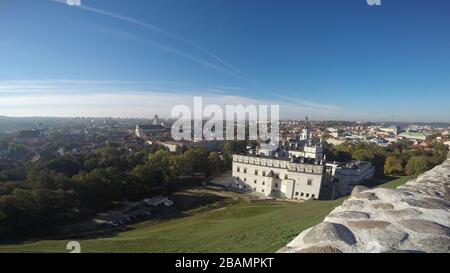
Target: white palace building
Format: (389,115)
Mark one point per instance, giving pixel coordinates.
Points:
(296,170)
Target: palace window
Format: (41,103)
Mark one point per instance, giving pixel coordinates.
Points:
(255,181)
(264,173)
(296,194)
(238,169)
(310,181)
(302,194)
(313,196)
(256,172)
(264,183)
(286,176)
(245,170)
(245,179)
(307,195)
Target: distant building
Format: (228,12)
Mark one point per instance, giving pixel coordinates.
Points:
(393,129)
(335,142)
(336,133)
(293,171)
(382,142)
(144,130)
(307,149)
(416,135)
(147,130)
(291,178)
(297,170)
(348,175)
(31,137)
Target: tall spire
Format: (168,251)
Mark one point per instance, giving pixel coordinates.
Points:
(156,120)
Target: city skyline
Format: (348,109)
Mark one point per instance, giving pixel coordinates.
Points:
(327,60)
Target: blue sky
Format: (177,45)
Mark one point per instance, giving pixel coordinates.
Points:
(325,59)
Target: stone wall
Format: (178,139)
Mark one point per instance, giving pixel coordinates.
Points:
(412,218)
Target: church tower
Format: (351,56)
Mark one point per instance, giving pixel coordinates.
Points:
(156,120)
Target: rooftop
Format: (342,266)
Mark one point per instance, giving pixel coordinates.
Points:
(29,134)
(351,164)
(151,127)
(298,160)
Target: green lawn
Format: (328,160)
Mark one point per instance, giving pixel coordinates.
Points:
(241,227)
(397,182)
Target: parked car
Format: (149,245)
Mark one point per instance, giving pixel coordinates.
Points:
(155,201)
(168,203)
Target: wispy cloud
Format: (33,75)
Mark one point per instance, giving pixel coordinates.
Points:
(61,86)
(133,37)
(308,104)
(133,99)
(235,71)
(126,104)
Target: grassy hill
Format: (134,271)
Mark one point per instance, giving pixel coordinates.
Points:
(257,226)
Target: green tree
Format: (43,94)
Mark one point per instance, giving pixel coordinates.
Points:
(198,161)
(232,147)
(417,165)
(215,162)
(179,166)
(393,165)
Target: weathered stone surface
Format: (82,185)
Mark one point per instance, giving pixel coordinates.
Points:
(413,218)
(424,226)
(403,213)
(403,251)
(358,189)
(391,195)
(368,224)
(409,189)
(366,195)
(320,249)
(354,204)
(425,203)
(329,232)
(382,206)
(388,238)
(435,244)
(350,215)
(440,201)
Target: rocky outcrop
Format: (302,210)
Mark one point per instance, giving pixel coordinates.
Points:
(413,218)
